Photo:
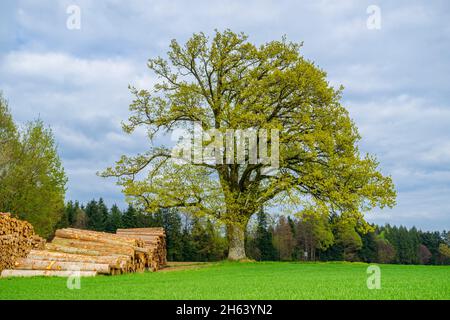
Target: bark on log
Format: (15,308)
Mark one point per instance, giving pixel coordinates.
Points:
(116,262)
(73,250)
(95,246)
(32,264)
(96,237)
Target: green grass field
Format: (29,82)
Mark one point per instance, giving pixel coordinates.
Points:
(249,280)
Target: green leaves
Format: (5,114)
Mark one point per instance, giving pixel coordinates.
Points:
(32,179)
(226,82)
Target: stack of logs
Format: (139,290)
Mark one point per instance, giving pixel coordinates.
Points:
(90,253)
(154,240)
(17,238)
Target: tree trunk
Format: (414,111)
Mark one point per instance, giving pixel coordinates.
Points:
(236,242)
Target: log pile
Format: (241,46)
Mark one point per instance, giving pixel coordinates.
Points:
(154,239)
(17,239)
(91,252)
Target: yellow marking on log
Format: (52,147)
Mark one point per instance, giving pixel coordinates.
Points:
(50,265)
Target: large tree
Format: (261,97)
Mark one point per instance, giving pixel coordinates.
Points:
(227,82)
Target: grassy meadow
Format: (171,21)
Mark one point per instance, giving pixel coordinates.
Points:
(245,280)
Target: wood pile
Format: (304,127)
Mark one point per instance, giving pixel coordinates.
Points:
(91,252)
(154,239)
(17,239)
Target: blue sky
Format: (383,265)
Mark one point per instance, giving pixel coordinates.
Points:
(396,80)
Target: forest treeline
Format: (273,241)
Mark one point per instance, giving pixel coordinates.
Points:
(270,237)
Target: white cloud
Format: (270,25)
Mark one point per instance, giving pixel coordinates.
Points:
(84,101)
(411,139)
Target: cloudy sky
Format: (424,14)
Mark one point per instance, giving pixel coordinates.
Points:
(396,79)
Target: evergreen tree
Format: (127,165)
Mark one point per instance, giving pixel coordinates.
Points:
(199,240)
(95,218)
(348,238)
(129,218)
(114,221)
(189,250)
(103,214)
(216,245)
(71,211)
(172,226)
(263,239)
(369,249)
(64,222)
(431,240)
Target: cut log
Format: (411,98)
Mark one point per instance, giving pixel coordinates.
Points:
(116,262)
(66,249)
(79,250)
(45,273)
(32,264)
(100,237)
(155,242)
(103,248)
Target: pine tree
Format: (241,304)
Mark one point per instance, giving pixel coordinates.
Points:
(103,214)
(369,250)
(129,218)
(114,221)
(95,218)
(348,238)
(263,239)
(189,250)
(64,222)
(199,240)
(172,226)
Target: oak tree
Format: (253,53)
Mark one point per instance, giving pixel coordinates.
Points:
(227,82)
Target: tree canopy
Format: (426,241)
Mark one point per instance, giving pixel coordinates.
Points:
(226,82)
(32,179)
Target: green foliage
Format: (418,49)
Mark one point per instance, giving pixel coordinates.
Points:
(227,82)
(444,250)
(264,241)
(206,241)
(369,249)
(198,241)
(432,240)
(348,238)
(32,179)
(129,218)
(386,251)
(114,220)
(97,215)
(322,237)
(314,231)
(170,220)
(283,239)
(406,243)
